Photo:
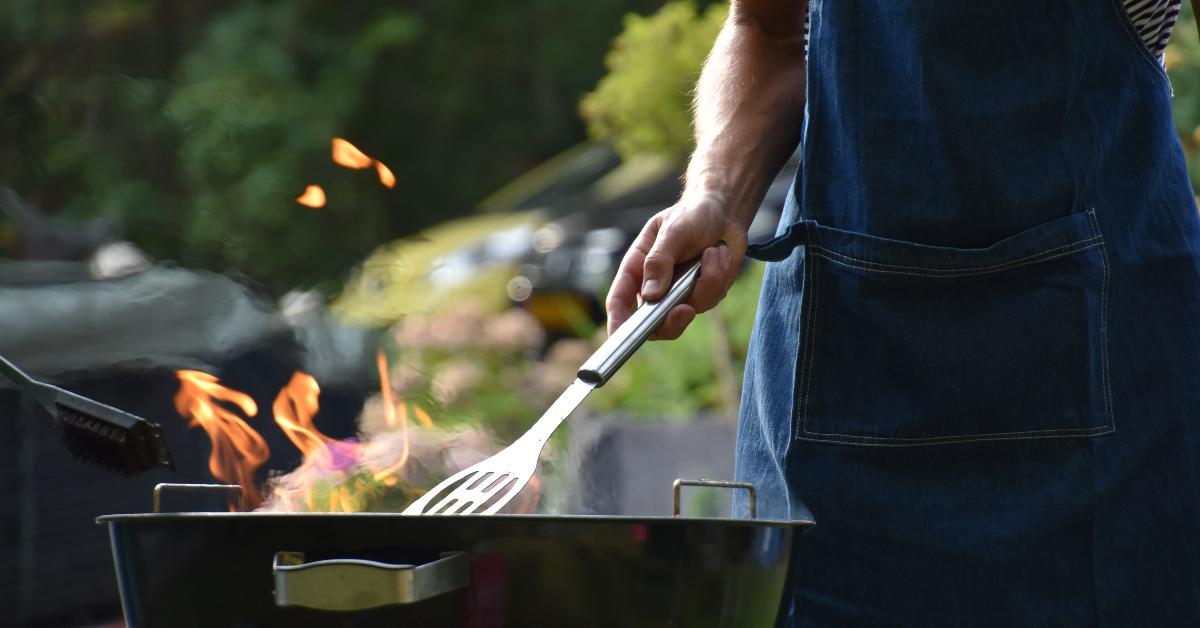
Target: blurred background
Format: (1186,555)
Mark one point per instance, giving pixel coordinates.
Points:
(341,250)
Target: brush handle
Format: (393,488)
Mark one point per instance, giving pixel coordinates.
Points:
(42,392)
(635,331)
(16,375)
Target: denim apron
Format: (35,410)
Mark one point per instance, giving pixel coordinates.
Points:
(977,351)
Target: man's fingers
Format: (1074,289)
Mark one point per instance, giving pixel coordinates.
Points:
(714,278)
(677,320)
(659,267)
(622,295)
(648,267)
(618,312)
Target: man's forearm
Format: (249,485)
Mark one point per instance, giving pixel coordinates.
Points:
(748,104)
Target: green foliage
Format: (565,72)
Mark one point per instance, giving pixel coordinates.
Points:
(642,104)
(1183,65)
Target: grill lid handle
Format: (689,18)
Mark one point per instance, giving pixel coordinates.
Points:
(354,584)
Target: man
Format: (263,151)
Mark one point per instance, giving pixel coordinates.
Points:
(977,353)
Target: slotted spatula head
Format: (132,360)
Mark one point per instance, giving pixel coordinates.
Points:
(486,487)
(483,488)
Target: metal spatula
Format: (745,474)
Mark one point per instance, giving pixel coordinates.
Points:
(486,487)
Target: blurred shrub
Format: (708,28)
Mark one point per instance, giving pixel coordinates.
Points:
(470,366)
(642,105)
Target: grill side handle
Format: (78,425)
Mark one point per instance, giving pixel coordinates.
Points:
(745,486)
(636,330)
(355,584)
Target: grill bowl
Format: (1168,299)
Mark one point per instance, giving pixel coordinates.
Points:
(217,569)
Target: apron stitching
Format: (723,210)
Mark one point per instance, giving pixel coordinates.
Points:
(890,441)
(963,268)
(978,270)
(809,341)
(947,274)
(812,358)
(1057,430)
(1106,383)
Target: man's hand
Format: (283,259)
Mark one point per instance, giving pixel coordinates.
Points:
(692,228)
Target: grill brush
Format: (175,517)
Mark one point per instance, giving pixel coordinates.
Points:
(94,432)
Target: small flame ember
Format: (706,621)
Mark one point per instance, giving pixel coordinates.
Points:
(385,175)
(348,155)
(237,450)
(313,197)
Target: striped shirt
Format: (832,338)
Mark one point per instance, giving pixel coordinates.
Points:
(1153,20)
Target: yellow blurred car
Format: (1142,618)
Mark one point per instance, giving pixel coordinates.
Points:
(470,257)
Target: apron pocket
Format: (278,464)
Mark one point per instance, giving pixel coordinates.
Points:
(907,344)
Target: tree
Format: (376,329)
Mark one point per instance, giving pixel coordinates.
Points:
(194,124)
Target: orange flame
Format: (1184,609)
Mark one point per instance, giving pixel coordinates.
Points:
(391,415)
(313,197)
(385,175)
(294,408)
(422,417)
(348,155)
(237,450)
(336,475)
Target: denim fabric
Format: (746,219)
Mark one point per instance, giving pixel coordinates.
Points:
(976,361)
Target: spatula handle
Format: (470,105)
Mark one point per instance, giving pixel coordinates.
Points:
(635,331)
